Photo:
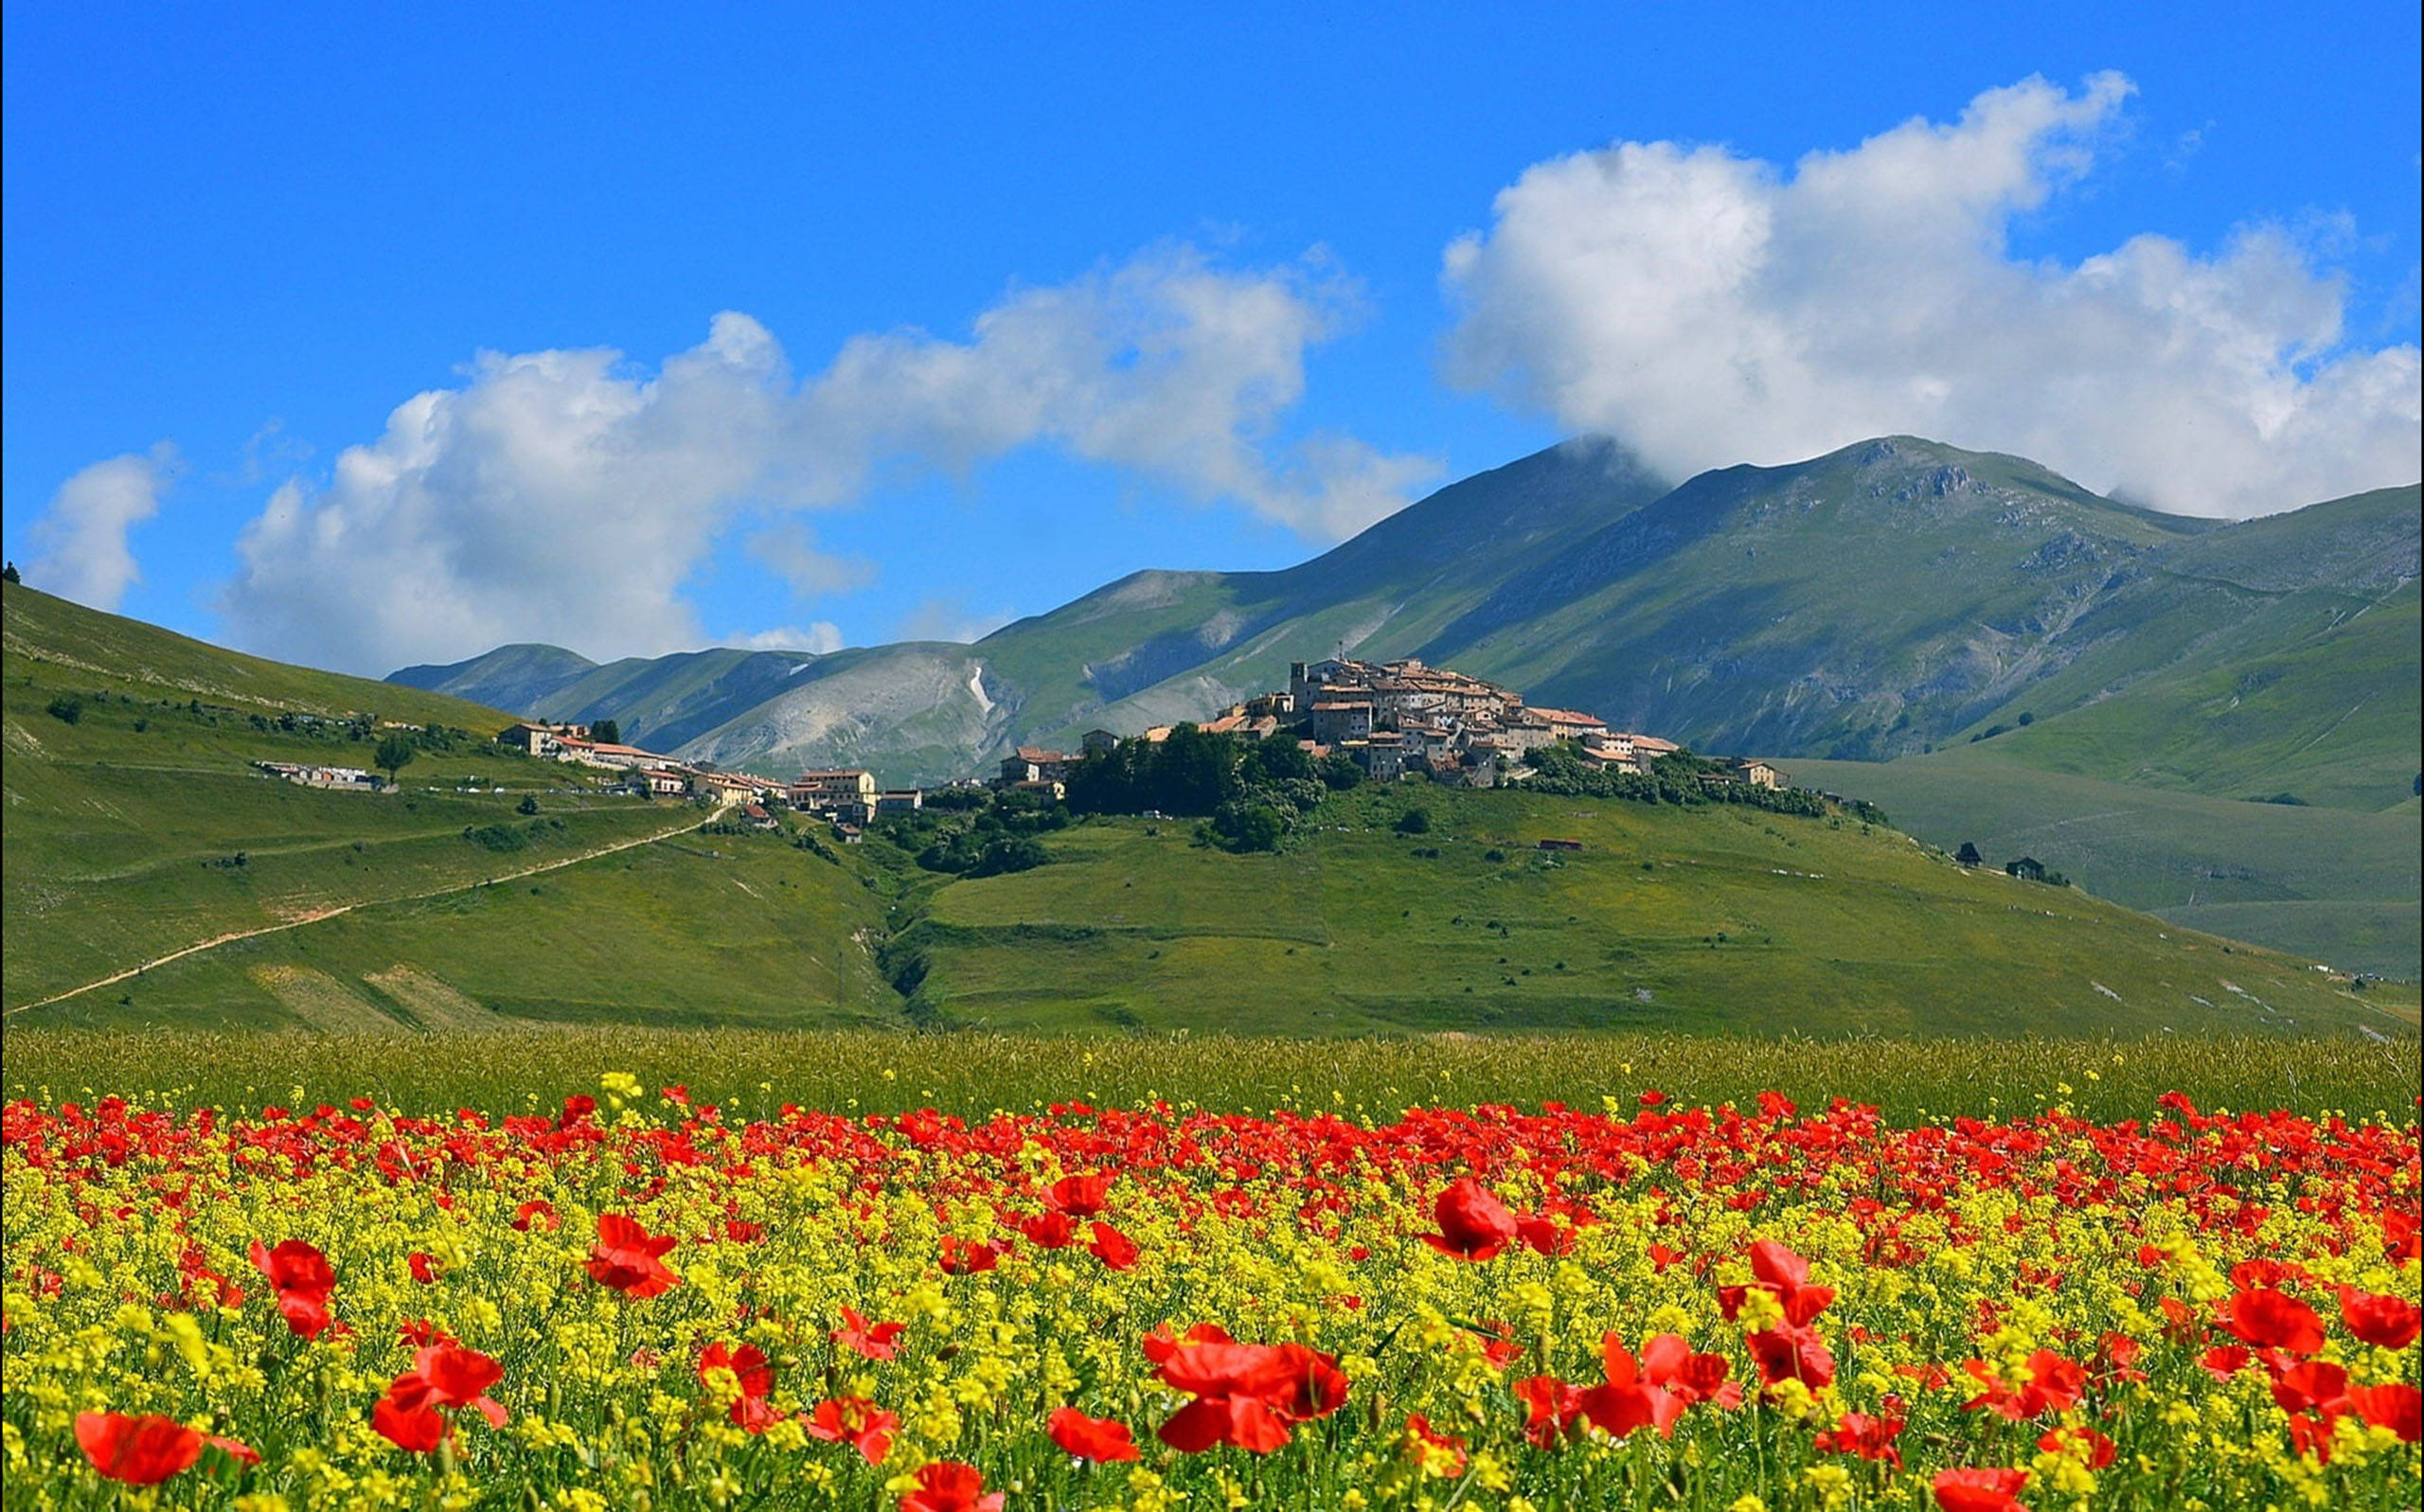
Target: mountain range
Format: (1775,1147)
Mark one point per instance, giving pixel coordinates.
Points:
(1991,650)
(1883,601)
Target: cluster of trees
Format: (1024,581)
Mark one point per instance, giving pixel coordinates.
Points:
(1252,791)
(971,832)
(1681,778)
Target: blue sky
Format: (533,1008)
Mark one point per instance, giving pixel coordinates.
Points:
(1219,333)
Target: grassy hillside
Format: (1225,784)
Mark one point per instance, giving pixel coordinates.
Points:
(125,824)
(1704,919)
(694,931)
(64,647)
(2313,698)
(2331,884)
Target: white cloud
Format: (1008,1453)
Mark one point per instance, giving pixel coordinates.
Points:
(790,550)
(817,639)
(1712,309)
(562,495)
(944,617)
(81,540)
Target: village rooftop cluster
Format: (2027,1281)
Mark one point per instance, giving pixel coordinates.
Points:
(1391,719)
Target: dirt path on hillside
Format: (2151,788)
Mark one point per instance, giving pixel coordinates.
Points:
(317,915)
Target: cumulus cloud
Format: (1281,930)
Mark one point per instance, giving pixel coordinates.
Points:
(790,551)
(565,495)
(944,617)
(81,543)
(1713,308)
(817,639)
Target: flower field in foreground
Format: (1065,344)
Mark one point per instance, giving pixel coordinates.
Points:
(633,1302)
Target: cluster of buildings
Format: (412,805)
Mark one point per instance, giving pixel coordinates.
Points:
(341,779)
(848,797)
(1392,718)
(1388,718)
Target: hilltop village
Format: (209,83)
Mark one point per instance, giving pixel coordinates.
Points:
(1389,718)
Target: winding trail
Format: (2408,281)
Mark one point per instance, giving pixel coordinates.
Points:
(317,915)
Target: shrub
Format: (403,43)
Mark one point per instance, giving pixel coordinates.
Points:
(66,709)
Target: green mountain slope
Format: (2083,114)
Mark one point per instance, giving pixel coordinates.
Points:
(2331,884)
(1889,598)
(125,825)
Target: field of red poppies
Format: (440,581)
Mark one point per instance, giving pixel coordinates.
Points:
(634,1300)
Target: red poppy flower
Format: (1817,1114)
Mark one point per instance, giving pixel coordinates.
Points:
(1626,1402)
(1248,1395)
(2388,1323)
(855,1421)
(1546,1235)
(537,1210)
(2312,1385)
(1784,1275)
(1161,1343)
(2311,1434)
(1103,1439)
(1870,1437)
(1786,1352)
(1112,1248)
(752,1374)
(2397,1406)
(947,1485)
(1666,1361)
(1049,1230)
(1980,1490)
(2275,1319)
(1081,1196)
(1551,1408)
(1474,1224)
(2054,1385)
(876,1340)
(628,1258)
(1419,1430)
(443,1375)
(302,1278)
(418,1429)
(139,1451)
(740,1231)
(967,1256)
(2222,1361)
(424,1269)
(420,1333)
(1499,1345)
(2082,1443)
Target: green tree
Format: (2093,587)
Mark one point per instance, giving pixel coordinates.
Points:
(606,732)
(1415,822)
(396,752)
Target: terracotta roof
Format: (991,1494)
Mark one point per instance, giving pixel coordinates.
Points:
(1037,753)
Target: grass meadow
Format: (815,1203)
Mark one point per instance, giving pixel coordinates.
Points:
(754,1072)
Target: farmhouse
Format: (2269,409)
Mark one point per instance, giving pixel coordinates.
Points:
(1758,773)
(1032,763)
(542,740)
